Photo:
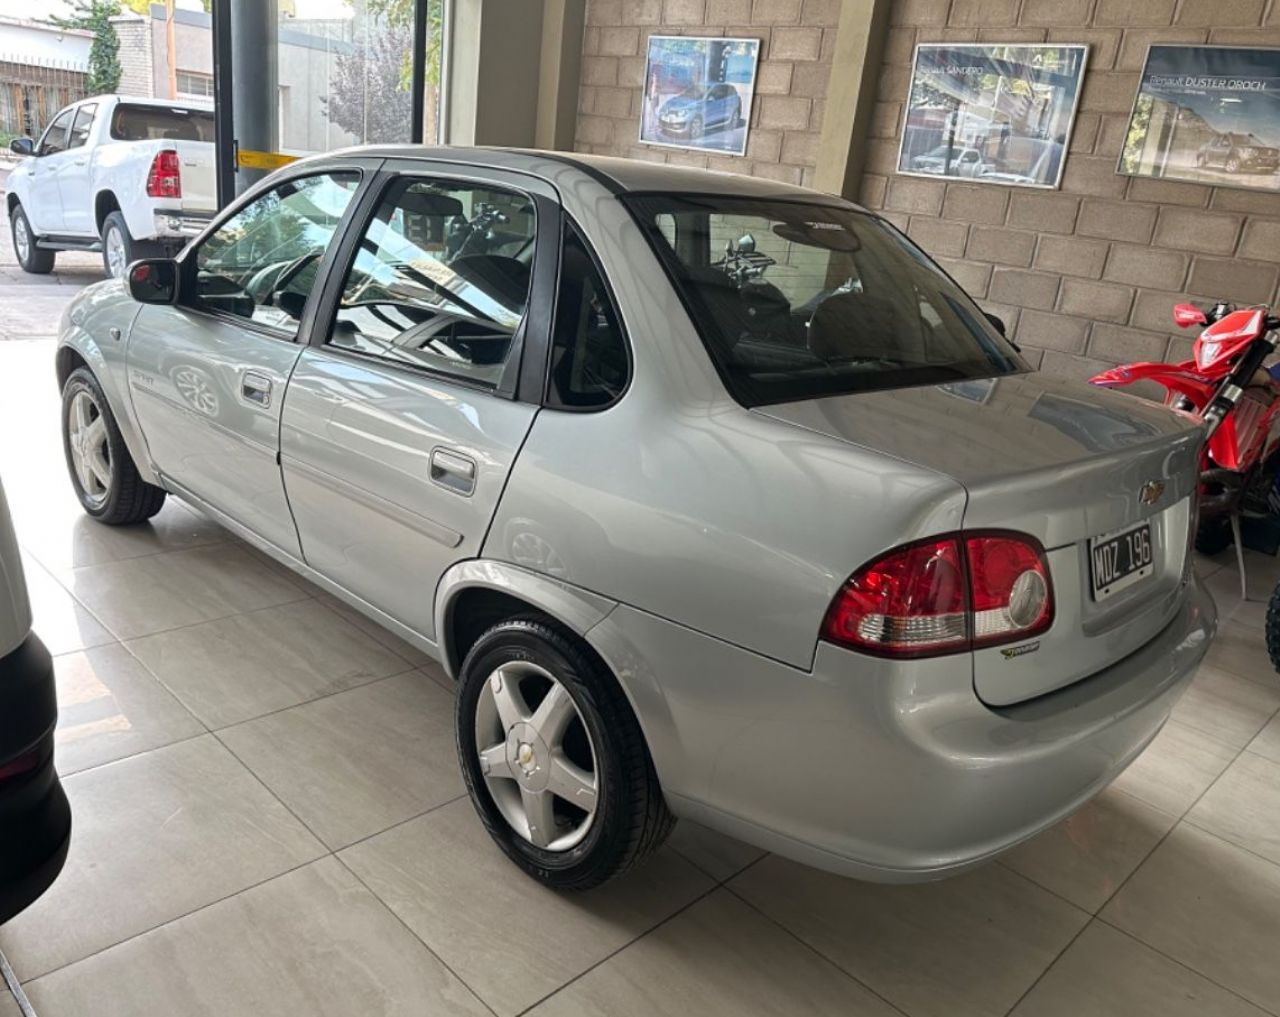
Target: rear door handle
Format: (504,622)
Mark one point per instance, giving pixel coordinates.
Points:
(453,471)
(256,388)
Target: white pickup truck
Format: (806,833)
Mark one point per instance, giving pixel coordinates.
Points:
(130,177)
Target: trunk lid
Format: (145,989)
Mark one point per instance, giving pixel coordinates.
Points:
(1063,462)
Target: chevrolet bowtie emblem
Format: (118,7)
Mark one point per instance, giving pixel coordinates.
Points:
(1151,492)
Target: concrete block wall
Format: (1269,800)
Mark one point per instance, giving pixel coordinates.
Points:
(797,41)
(137,69)
(1085,276)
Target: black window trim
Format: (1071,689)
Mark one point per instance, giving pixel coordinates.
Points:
(365,171)
(568,222)
(92,107)
(532,333)
(664,254)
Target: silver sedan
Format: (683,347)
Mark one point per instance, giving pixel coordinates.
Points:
(718,498)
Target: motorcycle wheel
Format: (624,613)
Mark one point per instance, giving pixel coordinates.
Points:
(1214,536)
(1273,628)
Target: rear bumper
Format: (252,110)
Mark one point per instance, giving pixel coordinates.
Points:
(888,771)
(35,819)
(178,224)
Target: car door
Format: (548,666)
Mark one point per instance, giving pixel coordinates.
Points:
(44,203)
(401,421)
(73,175)
(207,375)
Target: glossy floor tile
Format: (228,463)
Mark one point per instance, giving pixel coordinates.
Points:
(313,942)
(720,857)
(1088,856)
(110,706)
(139,596)
(353,764)
(1243,806)
(1211,906)
(1228,708)
(1237,649)
(509,938)
(968,946)
(155,836)
(1106,973)
(1176,768)
(718,958)
(63,623)
(1267,743)
(243,666)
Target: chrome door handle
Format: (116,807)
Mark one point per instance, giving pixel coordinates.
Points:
(453,471)
(256,388)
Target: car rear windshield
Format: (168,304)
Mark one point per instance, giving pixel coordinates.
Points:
(797,300)
(153,123)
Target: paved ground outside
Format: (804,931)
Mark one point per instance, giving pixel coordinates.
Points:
(269,820)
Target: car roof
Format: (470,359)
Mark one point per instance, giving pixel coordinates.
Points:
(621,176)
(142,101)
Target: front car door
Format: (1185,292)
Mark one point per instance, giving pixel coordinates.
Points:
(44,204)
(207,376)
(401,422)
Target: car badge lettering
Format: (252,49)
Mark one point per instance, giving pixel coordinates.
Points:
(1010,652)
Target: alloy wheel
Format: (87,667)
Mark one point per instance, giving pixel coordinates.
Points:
(116,257)
(90,451)
(21,238)
(536,755)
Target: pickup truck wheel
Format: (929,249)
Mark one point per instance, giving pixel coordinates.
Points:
(118,248)
(30,257)
(554,758)
(103,473)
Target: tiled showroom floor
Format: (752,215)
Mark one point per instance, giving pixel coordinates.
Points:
(269,821)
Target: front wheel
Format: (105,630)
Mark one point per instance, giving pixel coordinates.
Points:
(554,759)
(103,473)
(31,258)
(1232,165)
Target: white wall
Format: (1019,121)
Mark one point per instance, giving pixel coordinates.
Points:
(26,42)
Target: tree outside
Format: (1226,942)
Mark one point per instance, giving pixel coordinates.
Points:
(104,55)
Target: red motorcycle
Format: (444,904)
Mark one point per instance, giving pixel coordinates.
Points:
(1226,385)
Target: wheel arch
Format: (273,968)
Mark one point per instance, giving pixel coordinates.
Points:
(104,203)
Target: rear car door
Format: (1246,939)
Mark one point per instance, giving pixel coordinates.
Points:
(402,422)
(44,204)
(207,376)
(73,175)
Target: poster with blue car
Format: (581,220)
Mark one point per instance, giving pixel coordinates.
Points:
(1207,114)
(697,92)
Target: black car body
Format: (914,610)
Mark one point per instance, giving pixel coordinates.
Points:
(35,818)
(1238,153)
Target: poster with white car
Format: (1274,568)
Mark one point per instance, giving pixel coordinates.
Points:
(1208,114)
(992,113)
(697,92)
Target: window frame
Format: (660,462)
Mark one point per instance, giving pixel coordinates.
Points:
(187,260)
(92,109)
(531,339)
(569,223)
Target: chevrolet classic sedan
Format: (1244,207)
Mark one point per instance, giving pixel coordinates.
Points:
(717,497)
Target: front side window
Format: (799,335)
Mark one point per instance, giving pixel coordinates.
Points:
(441,279)
(796,300)
(55,137)
(262,263)
(589,361)
(81,124)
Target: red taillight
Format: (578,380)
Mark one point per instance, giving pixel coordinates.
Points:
(944,595)
(164,180)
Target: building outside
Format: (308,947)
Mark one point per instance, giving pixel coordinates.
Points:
(42,68)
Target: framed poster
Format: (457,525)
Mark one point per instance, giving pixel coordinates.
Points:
(697,92)
(991,113)
(1208,114)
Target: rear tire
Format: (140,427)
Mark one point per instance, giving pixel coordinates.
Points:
(118,246)
(1273,628)
(1214,536)
(628,818)
(103,474)
(31,258)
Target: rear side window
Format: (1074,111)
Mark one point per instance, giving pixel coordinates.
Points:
(589,360)
(798,300)
(81,125)
(163,123)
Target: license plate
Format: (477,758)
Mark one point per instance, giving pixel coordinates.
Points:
(1120,559)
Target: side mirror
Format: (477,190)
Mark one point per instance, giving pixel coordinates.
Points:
(153,281)
(22,146)
(997,323)
(1187,315)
